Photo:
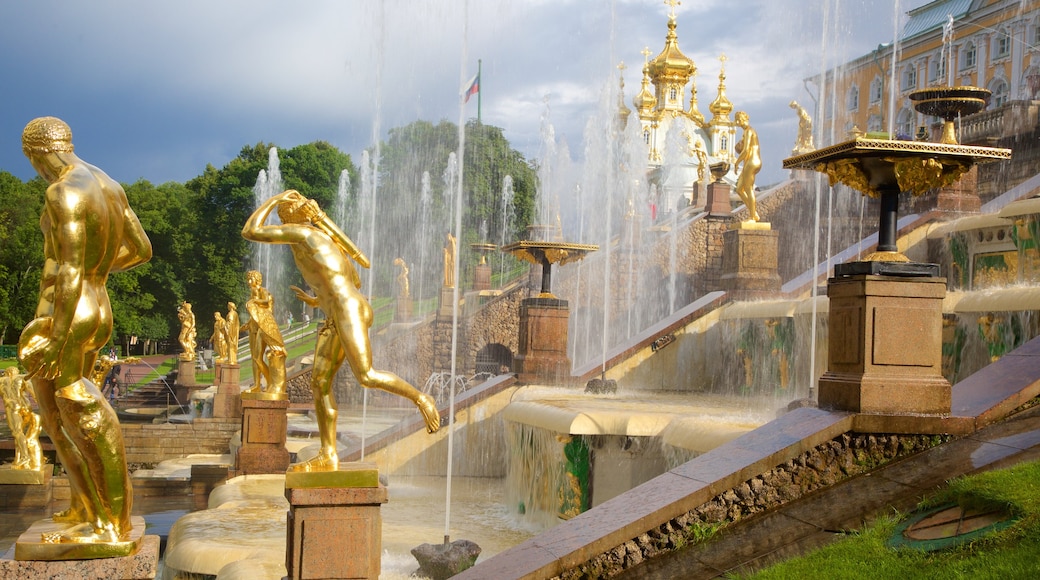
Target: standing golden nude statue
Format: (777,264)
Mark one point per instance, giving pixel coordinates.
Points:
(403,287)
(219,338)
(265,340)
(24,424)
(323,255)
(231,324)
(89,231)
(749,160)
(449,262)
(187,335)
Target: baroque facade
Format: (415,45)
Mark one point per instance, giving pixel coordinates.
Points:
(991,44)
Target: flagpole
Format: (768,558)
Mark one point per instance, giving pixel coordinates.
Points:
(480,89)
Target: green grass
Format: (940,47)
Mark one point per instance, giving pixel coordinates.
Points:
(1010,553)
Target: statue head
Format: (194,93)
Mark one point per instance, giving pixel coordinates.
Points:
(11,372)
(741,118)
(46,135)
(231,307)
(254,278)
(298,210)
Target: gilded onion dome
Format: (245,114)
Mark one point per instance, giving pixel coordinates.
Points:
(671,65)
(645,101)
(623,111)
(721,107)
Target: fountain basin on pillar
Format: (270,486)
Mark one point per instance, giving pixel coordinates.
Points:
(885,345)
(543,320)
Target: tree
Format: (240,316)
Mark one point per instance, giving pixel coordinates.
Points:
(21,260)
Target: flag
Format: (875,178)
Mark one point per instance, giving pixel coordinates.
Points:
(471,88)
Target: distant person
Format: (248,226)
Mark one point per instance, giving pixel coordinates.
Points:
(323,254)
(89,231)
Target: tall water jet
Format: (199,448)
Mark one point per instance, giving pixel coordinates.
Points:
(342,197)
(270,260)
(425,199)
(507,211)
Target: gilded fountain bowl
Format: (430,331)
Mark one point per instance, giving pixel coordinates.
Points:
(949,103)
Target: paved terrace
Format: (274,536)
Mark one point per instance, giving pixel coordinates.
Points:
(979,405)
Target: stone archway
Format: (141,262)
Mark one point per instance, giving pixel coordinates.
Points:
(493,358)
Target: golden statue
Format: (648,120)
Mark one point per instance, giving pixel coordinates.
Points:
(749,160)
(403,288)
(232,326)
(695,148)
(449,262)
(804,144)
(24,424)
(323,255)
(219,338)
(265,339)
(89,231)
(187,335)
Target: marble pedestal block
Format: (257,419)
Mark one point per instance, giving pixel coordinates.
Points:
(718,204)
(885,346)
(186,372)
(403,310)
(447,297)
(142,565)
(227,402)
(543,341)
(750,267)
(334,524)
(263,437)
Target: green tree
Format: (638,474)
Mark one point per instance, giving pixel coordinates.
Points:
(21,260)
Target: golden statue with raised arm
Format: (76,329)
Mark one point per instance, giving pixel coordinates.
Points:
(24,424)
(749,160)
(266,346)
(323,254)
(804,143)
(89,231)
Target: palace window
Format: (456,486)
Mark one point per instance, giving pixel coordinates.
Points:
(646,136)
(937,68)
(874,123)
(877,87)
(999,88)
(1001,44)
(909,77)
(672,94)
(852,99)
(905,124)
(968,56)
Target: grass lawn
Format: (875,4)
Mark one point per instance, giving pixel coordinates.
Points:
(1010,553)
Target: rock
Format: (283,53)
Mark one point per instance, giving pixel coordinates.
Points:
(440,561)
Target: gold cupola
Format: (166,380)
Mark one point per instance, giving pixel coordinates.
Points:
(671,70)
(721,107)
(644,101)
(623,111)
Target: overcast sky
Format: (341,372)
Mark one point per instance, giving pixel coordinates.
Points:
(158,90)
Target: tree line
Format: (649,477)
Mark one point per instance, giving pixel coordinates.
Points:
(195,227)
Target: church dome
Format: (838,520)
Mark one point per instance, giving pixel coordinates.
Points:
(645,99)
(671,64)
(721,107)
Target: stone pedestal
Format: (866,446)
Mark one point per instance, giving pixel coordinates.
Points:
(186,372)
(543,341)
(403,309)
(885,346)
(142,565)
(263,437)
(334,525)
(31,546)
(749,262)
(718,204)
(227,402)
(447,297)
(26,488)
(961,197)
(482,277)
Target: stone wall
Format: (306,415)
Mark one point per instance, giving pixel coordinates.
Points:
(845,456)
(147,444)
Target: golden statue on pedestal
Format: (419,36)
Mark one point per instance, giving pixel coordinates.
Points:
(403,287)
(187,335)
(323,255)
(24,424)
(449,262)
(233,329)
(804,144)
(749,162)
(219,338)
(266,345)
(89,231)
